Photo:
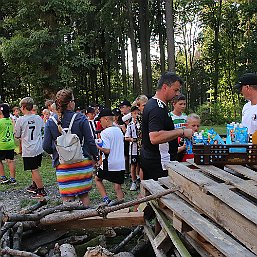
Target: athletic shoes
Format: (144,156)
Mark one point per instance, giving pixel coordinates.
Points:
(4,180)
(32,189)
(133,186)
(40,193)
(12,181)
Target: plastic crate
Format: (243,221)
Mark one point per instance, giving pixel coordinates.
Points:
(225,154)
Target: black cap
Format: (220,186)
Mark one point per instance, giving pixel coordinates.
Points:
(90,110)
(116,111)
(104,112)
(5,109)
(246,79)
(125,102)
(133,108)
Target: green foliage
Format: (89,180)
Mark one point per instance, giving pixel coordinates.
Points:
(218,113)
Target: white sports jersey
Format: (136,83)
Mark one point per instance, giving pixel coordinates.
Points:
(29,129)
(132,133)
(113,139)
(249,117)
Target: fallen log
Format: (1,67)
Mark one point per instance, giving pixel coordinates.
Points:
(17,236)
(39,215)
(67,250)
(135,232)
(102,210)
(9,251)
(34,207)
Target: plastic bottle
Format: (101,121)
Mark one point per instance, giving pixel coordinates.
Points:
(99,142)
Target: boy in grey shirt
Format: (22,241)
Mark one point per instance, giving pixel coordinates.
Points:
(29,129)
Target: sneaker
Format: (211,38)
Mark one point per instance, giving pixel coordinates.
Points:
(32,189)
(39,193)
(116,202)
(12,181)
(4,180)
(133,186)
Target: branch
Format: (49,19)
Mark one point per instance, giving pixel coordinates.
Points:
(10,251)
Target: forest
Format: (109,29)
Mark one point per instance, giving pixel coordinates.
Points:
(108,50)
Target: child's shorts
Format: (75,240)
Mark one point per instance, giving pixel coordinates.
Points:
(134,159)
(32,163)
(116,177)
(6,154)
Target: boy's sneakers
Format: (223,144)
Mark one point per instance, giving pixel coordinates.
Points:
(4,180)
(133,186)
(12,181)
(40,192)
(32,189)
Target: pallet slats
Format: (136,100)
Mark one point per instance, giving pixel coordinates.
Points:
(223,242)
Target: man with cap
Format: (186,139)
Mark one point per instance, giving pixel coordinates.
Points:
(247,86)
(159,138)
(113,164)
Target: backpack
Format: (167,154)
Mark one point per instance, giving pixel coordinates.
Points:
(68,145)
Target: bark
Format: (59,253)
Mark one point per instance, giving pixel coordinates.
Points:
(123,66)
(161,35)
(7,250)
(145,47)
(170,35)
(67,250)
(134,233)
(17,236)
(216,53)
(136,80)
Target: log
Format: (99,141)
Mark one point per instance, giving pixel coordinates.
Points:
(7,250)
(67,250)
(103,210)
(135,232)
(34,207)
(123,254)
(97,251)
(100,211)
(17,236)
(5,242)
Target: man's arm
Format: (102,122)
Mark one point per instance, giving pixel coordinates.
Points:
(163,136)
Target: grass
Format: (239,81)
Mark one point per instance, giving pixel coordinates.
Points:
(49,179)
(220,129)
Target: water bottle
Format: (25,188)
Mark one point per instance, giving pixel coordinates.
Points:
(99,142)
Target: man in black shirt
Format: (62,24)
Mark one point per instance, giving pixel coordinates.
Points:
(159,138)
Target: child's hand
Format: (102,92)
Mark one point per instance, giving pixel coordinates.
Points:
(181,148)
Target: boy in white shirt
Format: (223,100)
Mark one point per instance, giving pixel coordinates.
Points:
(113,165)
(131,136)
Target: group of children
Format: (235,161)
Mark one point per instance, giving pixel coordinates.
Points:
(112,138)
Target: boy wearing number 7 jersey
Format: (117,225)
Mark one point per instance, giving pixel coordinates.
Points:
(29,129)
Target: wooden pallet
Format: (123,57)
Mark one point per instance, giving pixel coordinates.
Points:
(205,205)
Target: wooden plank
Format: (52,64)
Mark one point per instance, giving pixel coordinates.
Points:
(242,228)
(162,241)
(223,192)
(164,222)
(205,244)
(150,234)
(248,173)
(247,186)
(115,219)
(207,230)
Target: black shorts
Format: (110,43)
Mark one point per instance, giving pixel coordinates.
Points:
(6,154)
(116,177)
(32,163)
(134,159)
(152,168)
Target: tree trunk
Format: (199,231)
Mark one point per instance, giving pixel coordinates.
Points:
(136,80)
(123,66)
(170,35)
(161,36)
(216,53)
